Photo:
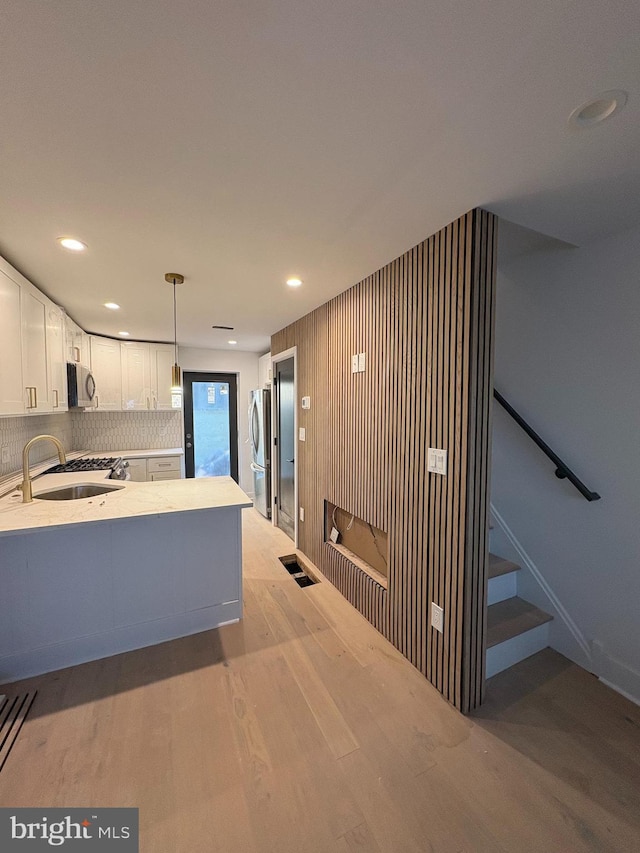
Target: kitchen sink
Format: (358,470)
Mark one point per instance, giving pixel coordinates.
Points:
(76,492)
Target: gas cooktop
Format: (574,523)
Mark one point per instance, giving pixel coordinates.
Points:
(103,464)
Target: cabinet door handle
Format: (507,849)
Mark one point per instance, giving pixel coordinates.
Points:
(97,399)
(76,354)
(56,398)
(148,403)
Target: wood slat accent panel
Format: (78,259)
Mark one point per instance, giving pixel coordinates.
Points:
(425,322)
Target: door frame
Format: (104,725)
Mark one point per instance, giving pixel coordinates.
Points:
(213,376)
(292,352)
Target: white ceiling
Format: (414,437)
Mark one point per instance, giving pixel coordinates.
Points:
(242,142)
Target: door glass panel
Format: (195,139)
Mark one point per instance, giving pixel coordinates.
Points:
(211,433)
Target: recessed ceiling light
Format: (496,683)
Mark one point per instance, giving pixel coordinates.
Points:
(112,306)
(294,282)
(72,244)
(232,342)
(596,110)
(124,334)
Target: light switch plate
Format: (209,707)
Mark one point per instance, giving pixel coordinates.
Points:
(302,434)
(306,402)
(437,617)
(437,461)
(362,362)
(354,363)
(301,511)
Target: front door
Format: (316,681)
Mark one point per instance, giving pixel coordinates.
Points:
(286,444)
(211,425)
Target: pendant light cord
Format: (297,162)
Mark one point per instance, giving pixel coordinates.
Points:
(175,325)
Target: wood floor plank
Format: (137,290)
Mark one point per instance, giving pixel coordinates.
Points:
(302,730)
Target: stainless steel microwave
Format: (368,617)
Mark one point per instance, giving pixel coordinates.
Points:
(82,387)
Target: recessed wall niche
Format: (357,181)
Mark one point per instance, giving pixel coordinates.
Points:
(362,543)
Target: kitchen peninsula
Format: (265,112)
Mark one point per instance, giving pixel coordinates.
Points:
(85,579)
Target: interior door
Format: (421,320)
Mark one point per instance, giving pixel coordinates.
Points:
(286,444)
(211,425)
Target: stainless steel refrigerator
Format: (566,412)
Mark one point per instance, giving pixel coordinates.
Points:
(260,440)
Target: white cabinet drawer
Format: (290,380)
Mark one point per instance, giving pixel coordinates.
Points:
(160,464)
(165,475)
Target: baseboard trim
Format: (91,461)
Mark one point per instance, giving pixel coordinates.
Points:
(527,562)
(616,674)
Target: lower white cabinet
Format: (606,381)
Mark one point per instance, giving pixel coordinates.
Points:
(153,468)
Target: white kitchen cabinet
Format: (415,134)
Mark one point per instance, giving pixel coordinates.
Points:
(163,468)
(78,346)
(56,358)
(137,470)
(264,371)
(146,469)
(106,368)
(34,351)
(136,375)
(12,398)
(162,360)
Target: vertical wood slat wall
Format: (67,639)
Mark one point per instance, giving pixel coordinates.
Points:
(425,322)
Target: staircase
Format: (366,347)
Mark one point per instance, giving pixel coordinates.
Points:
(516,628)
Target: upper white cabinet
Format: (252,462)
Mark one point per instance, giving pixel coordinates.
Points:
(57,358)
(264,371)
(78,344)
(146,375)
(107,371)
(12,398)
(162,359)
(34,351)
(136,375)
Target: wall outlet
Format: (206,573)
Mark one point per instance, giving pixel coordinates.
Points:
(301,513)
(355,360)
(362,362)
(437,617)
(302,434)
(5,454)
(437,461)
(306,402)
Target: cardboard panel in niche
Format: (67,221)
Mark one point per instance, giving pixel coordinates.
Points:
(365,541)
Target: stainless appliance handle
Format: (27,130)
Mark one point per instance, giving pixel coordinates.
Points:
(257,469)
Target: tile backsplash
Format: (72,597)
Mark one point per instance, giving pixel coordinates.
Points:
(16,432)
(126,430)
(106,431)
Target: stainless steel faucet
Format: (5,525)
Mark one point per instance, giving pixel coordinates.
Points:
(27,496)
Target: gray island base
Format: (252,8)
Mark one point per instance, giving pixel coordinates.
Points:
(90,589)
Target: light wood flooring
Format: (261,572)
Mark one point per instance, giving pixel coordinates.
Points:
(301,730)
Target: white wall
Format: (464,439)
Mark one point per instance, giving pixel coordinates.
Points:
(568,358)
(245,366)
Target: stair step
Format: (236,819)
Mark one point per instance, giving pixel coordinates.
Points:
(499,566)
(509,618)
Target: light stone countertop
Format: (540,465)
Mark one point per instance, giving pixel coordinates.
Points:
(131,501)
(135,454)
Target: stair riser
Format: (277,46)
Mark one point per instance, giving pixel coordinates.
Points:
(502,587)
(504,655)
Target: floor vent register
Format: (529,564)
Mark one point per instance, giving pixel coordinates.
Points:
(297,572)
(13,711)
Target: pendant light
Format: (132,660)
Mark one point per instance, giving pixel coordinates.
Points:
(176,378)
